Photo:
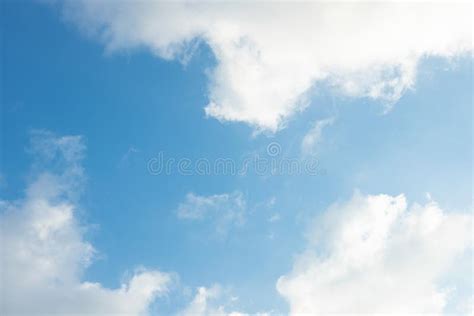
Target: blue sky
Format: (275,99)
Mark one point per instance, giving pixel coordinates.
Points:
(131,104)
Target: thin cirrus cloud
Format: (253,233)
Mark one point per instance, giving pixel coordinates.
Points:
(225,210)
(44,250)
(312,139)
(269,55)
(373,255)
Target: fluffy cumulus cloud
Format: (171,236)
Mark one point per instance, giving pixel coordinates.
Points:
(44,252)
(374,254)
(270,54)
(225,210)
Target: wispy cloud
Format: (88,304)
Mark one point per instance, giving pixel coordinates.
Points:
(127,157)
(310,142)
(274,218)
(223,210)
(209,301)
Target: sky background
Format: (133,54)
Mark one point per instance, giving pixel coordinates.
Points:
(130,106)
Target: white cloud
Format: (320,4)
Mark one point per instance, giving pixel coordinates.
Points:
(274,218)
(206,302)
(314,136)
(225,210)
(200,304)
(269,55)
(128,158)
(373,254)
(44,252)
